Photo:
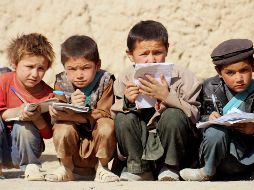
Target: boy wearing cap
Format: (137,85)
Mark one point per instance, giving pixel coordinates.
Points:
(227,150)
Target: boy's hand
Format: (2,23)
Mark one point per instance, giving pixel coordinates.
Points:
(154,88)
(131,92)
(66,115)
(78,98)
(29,115)
(213,115)
(63,115)
(245,128)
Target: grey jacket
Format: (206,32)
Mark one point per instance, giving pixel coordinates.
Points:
(215,85)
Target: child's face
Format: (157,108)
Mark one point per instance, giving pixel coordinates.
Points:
(30,70)
(237,76)
(151,51)
(80,71)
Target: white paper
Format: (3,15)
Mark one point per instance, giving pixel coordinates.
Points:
(235,116)
(76,108)
(155,70)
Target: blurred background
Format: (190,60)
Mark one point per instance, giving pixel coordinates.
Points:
(195,27)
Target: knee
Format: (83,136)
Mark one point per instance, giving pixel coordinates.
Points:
(215,135)
(173,119)
(125,121)
(106,129)
(27,132)
(62,131)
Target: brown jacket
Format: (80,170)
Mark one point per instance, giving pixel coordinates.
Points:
(102,96)
(184,91)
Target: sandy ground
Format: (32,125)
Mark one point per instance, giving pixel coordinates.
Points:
(50,163)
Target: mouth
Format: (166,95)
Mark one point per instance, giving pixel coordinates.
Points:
(240,86)
(32,80)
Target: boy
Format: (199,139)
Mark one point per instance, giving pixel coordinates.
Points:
(176,109)
(84,141)
(227,150)
(21,141)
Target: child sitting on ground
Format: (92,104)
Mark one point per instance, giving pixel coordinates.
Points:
(227,150)
(84,141)
(172,145)
(21,141)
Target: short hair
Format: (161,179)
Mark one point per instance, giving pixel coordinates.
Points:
(147,30)
(79,46)
(250,60)
(30,44)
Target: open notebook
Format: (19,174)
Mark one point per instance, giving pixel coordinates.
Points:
(76,108)
(44,106)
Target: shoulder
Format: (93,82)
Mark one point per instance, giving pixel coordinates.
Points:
(7,78)
(106,78)
(183,76)
(180,71)
(212,81)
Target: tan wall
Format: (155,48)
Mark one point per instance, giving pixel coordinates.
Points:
(195,27)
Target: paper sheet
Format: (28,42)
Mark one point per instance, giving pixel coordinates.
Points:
(235,116)
(155,70)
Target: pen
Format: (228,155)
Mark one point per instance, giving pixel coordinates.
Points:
(17,94)
(214,103)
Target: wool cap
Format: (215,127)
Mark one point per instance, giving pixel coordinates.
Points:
(232,51)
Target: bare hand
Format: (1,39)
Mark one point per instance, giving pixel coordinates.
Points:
(151,87)
(245,128)
(131,92)
(214,115)
(29,115)
(78,98)
(63,115)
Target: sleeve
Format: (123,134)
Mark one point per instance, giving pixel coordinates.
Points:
(121,105)
(103,105)
(61,98)
(2,96)
(205,110)
(2,100)
(184,95)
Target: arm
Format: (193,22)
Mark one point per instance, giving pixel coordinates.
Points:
(121,102)
(183,94)
(103,105)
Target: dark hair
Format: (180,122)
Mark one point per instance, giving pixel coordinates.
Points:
(249,59)
(30,44)
(147,30)
(79,46)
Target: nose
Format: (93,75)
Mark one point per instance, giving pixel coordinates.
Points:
(79,73)
(34,73)
(239,77)
(151,58)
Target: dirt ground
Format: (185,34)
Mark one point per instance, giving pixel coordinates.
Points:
(50,163)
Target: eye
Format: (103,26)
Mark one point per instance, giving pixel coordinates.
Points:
(230,73)
(244,70)
(158,53)
(42,69)
(143,54)
(70,69)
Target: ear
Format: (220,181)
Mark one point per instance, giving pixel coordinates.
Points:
(218,70)
(98,65)
(130,55)
(252,66)
(13,66)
